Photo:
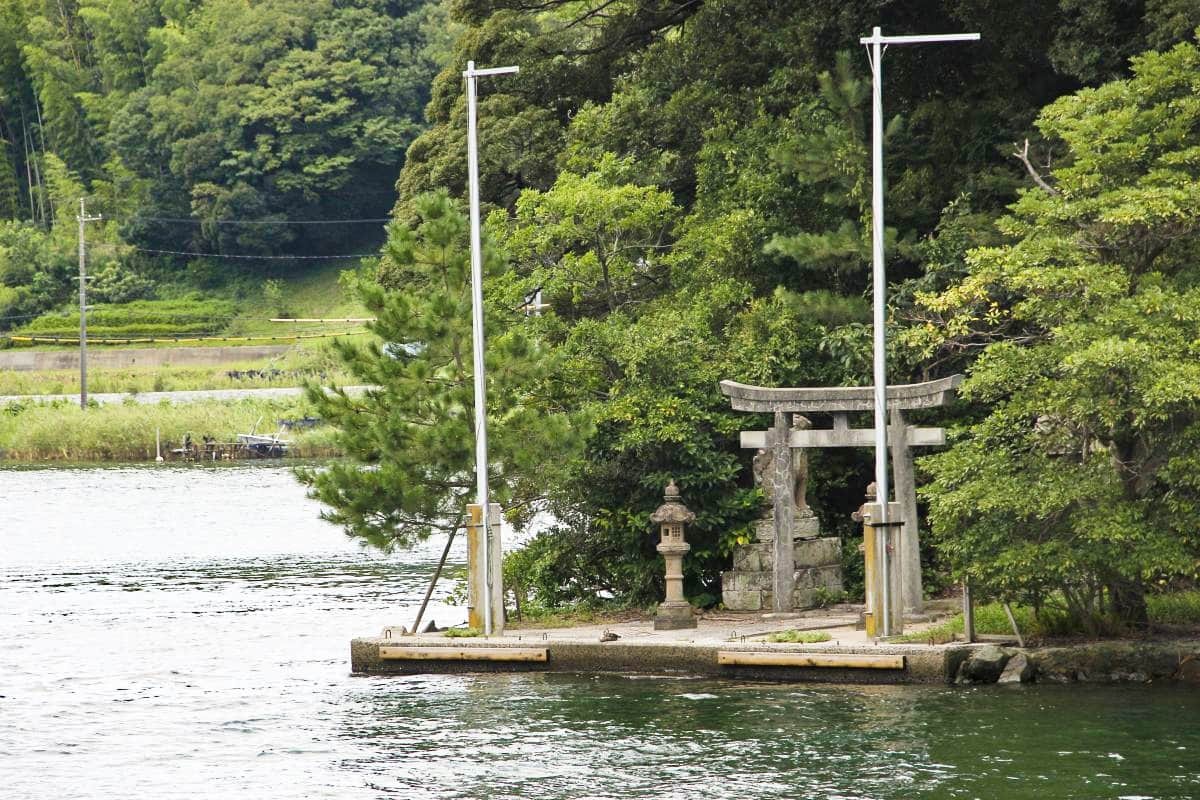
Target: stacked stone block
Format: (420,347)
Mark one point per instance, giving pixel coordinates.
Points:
(748,586)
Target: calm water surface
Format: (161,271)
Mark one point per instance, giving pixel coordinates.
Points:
(183,632)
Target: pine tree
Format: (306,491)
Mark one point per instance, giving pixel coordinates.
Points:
(410,440)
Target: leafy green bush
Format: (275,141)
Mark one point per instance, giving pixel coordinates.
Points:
(273,297)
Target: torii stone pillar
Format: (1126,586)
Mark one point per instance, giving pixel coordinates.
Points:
(839,402)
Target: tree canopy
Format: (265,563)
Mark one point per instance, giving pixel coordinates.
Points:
(1082,475)
(686,183)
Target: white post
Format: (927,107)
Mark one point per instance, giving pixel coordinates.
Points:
(82,307)
(490,570)
(876,43)
(879,281)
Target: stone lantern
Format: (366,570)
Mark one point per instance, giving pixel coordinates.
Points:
(674,612)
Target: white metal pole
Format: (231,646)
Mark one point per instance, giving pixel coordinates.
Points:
(877,42)
(481,476)
(879,281)
(82,307)
(481,459)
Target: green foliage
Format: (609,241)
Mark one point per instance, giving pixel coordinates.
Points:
(1080,479)
(686,183)
(410,441)
(462,633)
(274,299)
(793,636)
(991,620)
(1175,608)
(831,154)
(191,314)
(592,244)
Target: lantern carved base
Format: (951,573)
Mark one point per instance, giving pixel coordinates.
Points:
(674,616)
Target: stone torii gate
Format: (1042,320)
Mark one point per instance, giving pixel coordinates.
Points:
(781,438)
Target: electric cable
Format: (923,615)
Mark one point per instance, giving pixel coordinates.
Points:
(253,258)
(361,221)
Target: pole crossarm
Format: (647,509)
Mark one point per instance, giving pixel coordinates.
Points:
(471,72)
(835,399)
(932,38)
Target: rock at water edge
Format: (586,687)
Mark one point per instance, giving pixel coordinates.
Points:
(1017,670)
(984,665)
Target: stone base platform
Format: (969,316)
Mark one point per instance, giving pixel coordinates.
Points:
(731,647)
(749,585)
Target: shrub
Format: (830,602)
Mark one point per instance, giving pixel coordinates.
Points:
(1178,608)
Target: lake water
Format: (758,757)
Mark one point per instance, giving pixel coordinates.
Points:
(184,633)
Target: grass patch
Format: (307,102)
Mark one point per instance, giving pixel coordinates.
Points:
(293,369)
(63,432)
(536,616)
(191,314)
(990,619)
(242,308)
(316,292)
(1177,608)
(794,636)
(462,633)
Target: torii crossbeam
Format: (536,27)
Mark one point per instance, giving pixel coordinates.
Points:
(839,402)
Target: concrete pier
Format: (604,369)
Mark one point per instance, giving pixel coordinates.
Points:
(726,646)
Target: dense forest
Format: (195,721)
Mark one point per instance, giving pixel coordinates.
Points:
(687,183)
(175,116)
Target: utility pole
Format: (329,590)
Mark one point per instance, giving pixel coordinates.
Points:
(83,307)
(491,572)
(876,43)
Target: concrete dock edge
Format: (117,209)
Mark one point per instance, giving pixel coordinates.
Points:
(923,664)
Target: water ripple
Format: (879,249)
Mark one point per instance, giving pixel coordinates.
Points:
(176,646)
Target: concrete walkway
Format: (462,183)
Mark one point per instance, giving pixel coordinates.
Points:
(724,645)
(153,398)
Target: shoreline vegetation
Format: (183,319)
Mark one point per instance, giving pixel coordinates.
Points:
(61,432)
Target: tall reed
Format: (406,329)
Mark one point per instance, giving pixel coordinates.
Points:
(63,432)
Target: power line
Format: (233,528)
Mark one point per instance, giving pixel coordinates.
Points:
(253,258)
(43,314)
(192,221)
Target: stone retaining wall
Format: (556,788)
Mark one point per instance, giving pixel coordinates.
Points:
(1096,662)
(1160,661)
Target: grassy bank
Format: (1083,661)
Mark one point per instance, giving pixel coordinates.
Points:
(1173,609)
(240,308)
(64,432)
(290,370)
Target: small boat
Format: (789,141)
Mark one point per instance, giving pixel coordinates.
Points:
(260,445)
(263,446)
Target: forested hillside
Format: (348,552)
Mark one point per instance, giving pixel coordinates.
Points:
(200,126)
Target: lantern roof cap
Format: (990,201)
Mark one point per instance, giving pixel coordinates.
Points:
(673,510)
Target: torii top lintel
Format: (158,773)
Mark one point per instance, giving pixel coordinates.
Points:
(836,399)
